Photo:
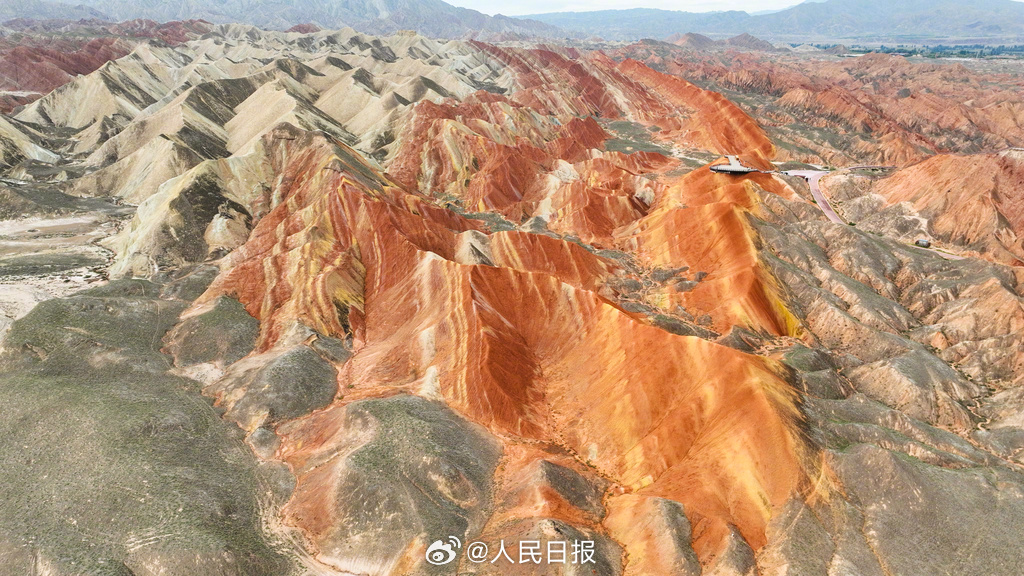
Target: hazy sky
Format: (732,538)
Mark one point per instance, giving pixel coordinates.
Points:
(513,7)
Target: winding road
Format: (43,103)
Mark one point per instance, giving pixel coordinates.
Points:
(813,176)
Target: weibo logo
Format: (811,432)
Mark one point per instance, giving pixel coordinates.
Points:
(440,553)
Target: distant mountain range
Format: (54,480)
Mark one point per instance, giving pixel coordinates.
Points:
(865,20)
(40,10)
(833,19)
(430,17)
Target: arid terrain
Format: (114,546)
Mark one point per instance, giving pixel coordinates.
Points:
(306,302)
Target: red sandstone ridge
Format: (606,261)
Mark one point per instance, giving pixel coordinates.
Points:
(884,109)
(39,62)
(976,202)
(701,220)
(492,153)
(692,40)
(508,328)
(594,84)
(307,28)
(173,33)
(716,123)
(37,65)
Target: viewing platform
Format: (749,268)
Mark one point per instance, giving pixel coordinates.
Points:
(733,167)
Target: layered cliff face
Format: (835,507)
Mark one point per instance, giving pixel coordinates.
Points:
(444,289)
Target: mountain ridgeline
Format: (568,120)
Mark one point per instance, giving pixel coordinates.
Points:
(907,20)
(982,21)
(430,17)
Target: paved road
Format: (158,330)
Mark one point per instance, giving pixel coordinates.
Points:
(813,176)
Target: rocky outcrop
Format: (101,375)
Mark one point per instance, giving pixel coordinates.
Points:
(974,202)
